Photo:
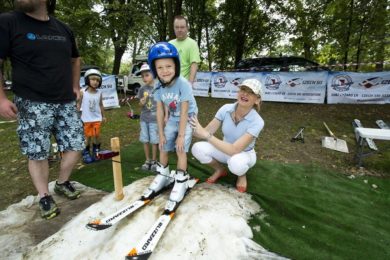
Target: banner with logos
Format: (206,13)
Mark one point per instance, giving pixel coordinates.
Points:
(225,84)
(358,88)
(297,87)
(301,87)
(109,93)
(202,84)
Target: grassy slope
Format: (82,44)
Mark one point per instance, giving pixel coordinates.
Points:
(309,212)
(317,214)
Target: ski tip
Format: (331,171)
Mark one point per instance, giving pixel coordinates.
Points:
(133,252)
(134,255)
(146,200)
(96,225)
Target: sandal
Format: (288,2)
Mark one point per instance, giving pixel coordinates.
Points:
(241,189)
(211,181)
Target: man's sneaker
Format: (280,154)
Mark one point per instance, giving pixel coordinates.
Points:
(48,207)
(67,190)
(146,166)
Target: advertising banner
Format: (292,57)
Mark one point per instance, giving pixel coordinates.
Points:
(225,84)
(108,88)
(358,88)
(202,84)
(297,87)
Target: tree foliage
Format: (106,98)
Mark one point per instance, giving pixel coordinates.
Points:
(328,31)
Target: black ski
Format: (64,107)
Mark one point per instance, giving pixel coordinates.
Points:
(101,224)
(150,240)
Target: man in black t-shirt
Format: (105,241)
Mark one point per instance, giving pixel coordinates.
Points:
(45,76)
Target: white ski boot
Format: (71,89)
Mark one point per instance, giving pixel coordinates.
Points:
(179,190)
(161,181)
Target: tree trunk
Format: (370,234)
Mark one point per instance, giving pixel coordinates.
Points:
(348,34)
(162,21)
(241,35)
(118,53)
(381,37)
(306,50)
(202,17)
(359,44)
(363,24)
(178,8)
(210,58)
(135,44)
(171,31)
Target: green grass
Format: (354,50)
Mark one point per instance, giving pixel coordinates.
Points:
(308,212)
(317,214)
(293,183)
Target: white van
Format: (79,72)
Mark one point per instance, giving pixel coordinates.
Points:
(134,80)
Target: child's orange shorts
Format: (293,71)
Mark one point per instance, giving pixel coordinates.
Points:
(92,129)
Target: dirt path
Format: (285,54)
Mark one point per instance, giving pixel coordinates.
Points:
(22,227)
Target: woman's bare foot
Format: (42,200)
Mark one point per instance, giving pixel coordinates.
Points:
(241,183)
(217,174)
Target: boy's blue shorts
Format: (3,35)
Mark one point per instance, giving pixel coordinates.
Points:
(171,131)
(149,133)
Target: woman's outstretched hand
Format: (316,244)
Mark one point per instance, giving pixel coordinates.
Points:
(199,130)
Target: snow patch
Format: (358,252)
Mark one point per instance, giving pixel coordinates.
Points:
(211,223)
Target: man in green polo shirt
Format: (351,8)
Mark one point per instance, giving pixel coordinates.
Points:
(187,47)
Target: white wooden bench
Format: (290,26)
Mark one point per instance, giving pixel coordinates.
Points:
(373,133)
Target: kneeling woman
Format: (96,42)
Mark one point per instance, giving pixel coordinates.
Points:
(241,125)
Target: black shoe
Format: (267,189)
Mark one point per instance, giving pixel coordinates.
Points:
(48,207)
(67,190)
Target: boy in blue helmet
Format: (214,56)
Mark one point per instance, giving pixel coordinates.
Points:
(174,92)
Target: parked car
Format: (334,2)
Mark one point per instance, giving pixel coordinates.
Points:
(120,82)
(134,80)
(283,63)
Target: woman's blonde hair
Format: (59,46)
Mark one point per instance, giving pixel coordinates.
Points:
(257,106)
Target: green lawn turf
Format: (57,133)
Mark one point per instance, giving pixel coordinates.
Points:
(308,212)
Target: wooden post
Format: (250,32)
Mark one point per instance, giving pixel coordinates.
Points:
(117,169)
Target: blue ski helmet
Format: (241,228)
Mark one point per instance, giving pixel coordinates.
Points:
(163,50)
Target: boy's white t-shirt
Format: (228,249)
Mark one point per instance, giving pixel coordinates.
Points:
(90,107)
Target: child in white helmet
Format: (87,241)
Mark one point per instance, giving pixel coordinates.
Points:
(92,113)
(148,119)
(241,125)
(175,92)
